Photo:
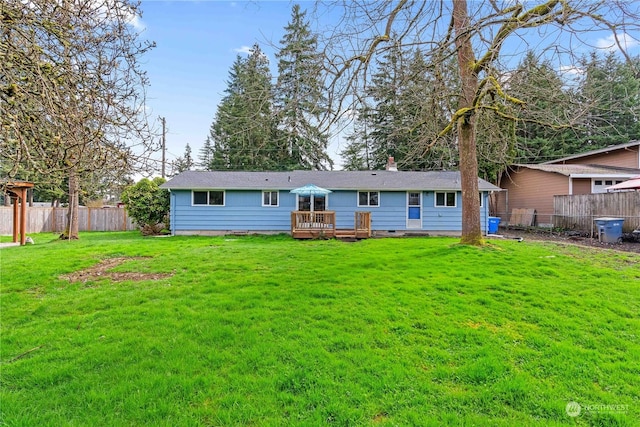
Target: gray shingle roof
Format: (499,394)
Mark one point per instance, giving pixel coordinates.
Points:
(332,180)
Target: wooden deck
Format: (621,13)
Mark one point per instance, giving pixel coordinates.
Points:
(322,224)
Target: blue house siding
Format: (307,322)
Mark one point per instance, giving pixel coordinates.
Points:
(243,210)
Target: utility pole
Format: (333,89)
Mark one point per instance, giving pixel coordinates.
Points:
(164,146)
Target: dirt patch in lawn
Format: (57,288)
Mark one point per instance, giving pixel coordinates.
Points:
(629,243)
(101,271)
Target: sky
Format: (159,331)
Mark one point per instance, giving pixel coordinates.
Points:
(197,42)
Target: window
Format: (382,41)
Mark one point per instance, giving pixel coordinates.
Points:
(269,198)
(319,203)
(601,185)
(304,203)
(481,199)
(446,199)
(368,198)
(212,198)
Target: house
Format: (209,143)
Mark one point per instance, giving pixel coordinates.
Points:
(395,202)
(532,186)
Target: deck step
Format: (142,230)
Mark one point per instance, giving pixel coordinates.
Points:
(345,234)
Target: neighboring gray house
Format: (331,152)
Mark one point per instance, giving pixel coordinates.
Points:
(211,203)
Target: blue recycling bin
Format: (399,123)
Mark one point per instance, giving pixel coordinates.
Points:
(609,229)
(494,222)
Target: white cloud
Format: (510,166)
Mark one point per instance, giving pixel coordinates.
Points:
(136,22)
(244,49)
(249,51)
(609,43)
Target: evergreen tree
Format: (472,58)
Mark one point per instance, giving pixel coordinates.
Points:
(184,162)
(205,155)
(610,94)
(385,119)
(403,92)
(427,92)
(356,154)
(548,98)
(300,102)
(243,132)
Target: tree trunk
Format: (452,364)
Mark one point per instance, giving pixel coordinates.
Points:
(71,232)
(471,230)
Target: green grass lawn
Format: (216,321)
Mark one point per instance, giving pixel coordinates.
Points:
(268,331)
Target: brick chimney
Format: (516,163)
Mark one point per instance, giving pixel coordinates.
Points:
(392,165)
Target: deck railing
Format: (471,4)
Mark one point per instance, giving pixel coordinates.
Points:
(314,222)
(310,225)
(363,223)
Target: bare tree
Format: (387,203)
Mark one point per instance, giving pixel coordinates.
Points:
(487,37)
(72,90)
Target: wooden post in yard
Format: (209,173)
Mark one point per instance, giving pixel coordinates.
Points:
(15,219)
(18,190)
(23,216)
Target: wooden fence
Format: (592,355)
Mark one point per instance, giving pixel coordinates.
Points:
(578,212)
(50,219)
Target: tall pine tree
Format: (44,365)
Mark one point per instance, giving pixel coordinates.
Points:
(542,131)
(183,163)
(300,102)
(610,94)
(404,91)
(242,135)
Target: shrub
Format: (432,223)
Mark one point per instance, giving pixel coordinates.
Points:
(148,205)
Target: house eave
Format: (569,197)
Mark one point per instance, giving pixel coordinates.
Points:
(603,150)
(601,175)
(266,188)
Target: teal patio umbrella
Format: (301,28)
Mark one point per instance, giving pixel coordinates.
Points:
(310,190)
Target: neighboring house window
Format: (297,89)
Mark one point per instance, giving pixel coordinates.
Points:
(211,198)
(269,198)
(368,198)
(446,199)
(600,185)
(481,199)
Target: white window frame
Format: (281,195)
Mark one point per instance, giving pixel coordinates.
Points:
(455,199)
(601,188)
(368,198)
(224,197)
(270,192)
(481,198)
